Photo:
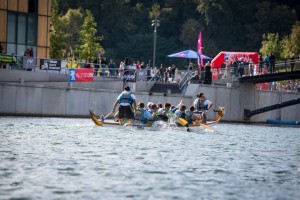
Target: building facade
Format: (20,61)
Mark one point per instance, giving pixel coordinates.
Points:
(25,24)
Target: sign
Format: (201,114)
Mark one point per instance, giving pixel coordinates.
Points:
(141,75)
(7,59)
(29,62)
(81,75)
(129,75)
(47,64)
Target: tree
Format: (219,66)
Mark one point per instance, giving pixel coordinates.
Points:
(295,39)
(90,42)
(189,33)
(270,44)
(72,21)
(57,35)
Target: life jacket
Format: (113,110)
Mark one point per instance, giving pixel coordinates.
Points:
(180,114)
(163,111)
(139,114)
(126,98)
(200,105)
(188,116)
(162,114)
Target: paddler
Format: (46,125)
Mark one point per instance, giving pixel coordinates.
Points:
(125,101)
(143,115)
(202,106)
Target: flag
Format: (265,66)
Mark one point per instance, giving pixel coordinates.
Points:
(200,48)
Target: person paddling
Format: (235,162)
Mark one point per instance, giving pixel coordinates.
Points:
(125,101)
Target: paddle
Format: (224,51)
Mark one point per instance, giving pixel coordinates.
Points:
(183,122)
(203,125)
(108,114)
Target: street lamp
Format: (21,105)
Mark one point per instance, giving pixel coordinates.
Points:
(155,24)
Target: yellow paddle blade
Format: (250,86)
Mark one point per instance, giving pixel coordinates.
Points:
(206,126)
(95,120)
(182,121)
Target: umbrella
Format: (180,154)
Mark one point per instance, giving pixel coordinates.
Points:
(188,54)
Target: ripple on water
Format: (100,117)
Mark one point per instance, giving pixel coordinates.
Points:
(50,158)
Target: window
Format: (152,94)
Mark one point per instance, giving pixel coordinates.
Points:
(32,6)
(21,32)
(21,28)
(11,27)
(32,30)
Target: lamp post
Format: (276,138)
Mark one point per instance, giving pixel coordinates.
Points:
(155,24)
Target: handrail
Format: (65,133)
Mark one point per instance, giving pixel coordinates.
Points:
(185,79)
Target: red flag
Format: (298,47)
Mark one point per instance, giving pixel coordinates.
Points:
(200,47)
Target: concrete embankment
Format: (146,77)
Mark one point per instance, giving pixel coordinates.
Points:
(58,98)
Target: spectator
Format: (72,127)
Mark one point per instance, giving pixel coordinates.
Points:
(31,52)
(96,66)
(272,60)
(161,72)
(1,48)
(148,68)
(173,73)
(292,62)
(112,67)
(261,64)
(121,69)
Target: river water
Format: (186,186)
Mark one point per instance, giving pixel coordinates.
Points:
(54,158)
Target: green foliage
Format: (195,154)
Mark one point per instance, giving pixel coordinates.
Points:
(57,36)
(89,42)
(232,25)
(189,33)
(270,44)
(295,39)
(72,22)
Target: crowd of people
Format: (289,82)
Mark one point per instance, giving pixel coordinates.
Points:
(137,112)
(239,67)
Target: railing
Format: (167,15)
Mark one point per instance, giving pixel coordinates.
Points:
(184,81)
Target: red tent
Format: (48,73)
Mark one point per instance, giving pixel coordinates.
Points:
(227,55)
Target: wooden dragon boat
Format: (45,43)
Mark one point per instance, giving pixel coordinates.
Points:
(178,123)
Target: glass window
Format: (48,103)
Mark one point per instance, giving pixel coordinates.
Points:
(21,50)
(32,29)
(22,29)
(32,6)
(11,27)
(11,49)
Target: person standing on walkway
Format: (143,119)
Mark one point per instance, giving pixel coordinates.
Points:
(272,60)
(292,62)
(202,106)
(125,101)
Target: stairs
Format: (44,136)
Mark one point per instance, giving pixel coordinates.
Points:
(165,88)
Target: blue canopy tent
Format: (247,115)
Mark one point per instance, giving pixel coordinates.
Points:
(189,54)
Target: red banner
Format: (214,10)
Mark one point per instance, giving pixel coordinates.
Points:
(84,75)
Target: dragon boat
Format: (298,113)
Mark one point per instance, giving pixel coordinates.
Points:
(178,123)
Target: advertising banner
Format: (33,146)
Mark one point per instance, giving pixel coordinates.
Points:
(29,62)
(129,75)
(47,64)
(81,75)
(141,75)
(7,59)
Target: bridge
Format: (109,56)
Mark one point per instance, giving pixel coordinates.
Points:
(270,78)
